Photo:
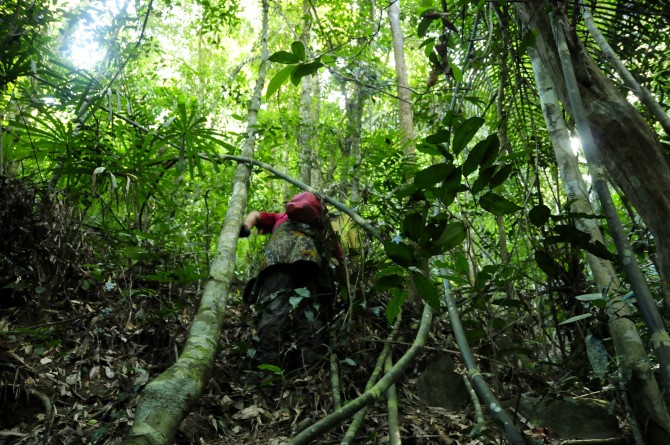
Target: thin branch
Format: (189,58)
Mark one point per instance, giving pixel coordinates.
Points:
(370,396)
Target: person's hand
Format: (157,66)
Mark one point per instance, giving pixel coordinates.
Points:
(244,231)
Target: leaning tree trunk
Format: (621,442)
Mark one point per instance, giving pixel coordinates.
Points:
(641,386)
(166,400)
(626,145)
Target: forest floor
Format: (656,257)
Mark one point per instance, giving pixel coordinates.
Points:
(72,373)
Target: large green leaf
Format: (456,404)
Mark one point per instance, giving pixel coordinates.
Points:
(284,57)
(426,290)
(453,235)
(279,79)
(482,154)
(298,50)
(305,69)
(413,225)
(497,205)
(433,174)
(394,306)
(399,253)
(465,132)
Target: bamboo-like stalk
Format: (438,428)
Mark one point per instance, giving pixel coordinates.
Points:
(350,409)
(360,415)
(640,91)
(639,380)
(334,375)
(166,400)
(646,303)
(480,420)
(474,375)
(392,407)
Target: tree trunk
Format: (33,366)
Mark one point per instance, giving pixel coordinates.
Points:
(354,109)
(166,400)
(626,145)
(405,117)
(641,386)
(305,130)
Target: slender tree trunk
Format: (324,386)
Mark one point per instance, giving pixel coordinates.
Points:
(641,386)
(166,400)
(354,109)
(405,116)
(315,110)
(626,145)
(640,91)
(305,130)
(503,80)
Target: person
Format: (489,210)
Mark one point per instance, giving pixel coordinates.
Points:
(294,291)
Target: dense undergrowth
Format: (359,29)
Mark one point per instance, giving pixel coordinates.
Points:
(84,331)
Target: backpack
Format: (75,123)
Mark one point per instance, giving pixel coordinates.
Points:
(305,207)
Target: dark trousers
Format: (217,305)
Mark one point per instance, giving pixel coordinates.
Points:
(291,327)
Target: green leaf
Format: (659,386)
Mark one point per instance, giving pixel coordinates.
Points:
(497,205)
(284,57)
(576,318)
(465,132)
(390,282)
(426,289)
(272,368)
(298,49)
(349,361)
(393,308)
(439,137)
(501,175)
(431,175)
(279,79)
(483,178)
(452,236)
(590,297)
(456,72)
(539,215)
(430,149)
(482,154)
(303,292)
(295,301)
(305,69)
(399,253)
(429,45)
(413,225)
(424,24)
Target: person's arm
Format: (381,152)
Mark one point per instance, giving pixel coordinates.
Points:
(263,221)
(250,221)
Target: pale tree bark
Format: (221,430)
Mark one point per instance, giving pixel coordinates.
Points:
(352,144)
(640,91)
(626,145)
(315,110)
(405,116)
(642,388)
(305,130)
(166,400)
